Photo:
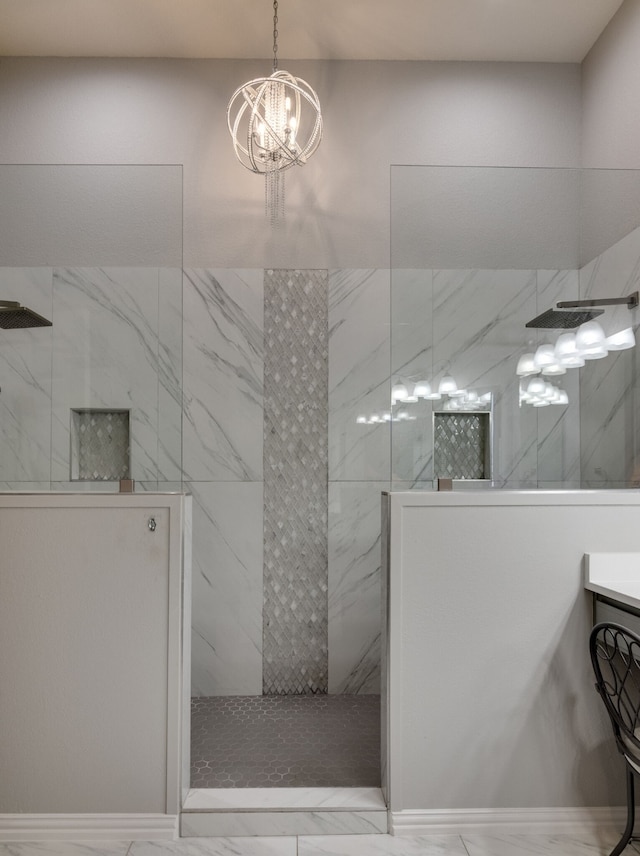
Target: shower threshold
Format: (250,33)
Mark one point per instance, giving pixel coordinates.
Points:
(213,812)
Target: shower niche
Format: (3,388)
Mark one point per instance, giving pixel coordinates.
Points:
(462,445)
(100,445)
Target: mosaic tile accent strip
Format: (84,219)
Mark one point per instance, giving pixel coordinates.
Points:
(100,444)
(461,445)
(285,741)
(295,482)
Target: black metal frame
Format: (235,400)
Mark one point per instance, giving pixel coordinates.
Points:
(615,655)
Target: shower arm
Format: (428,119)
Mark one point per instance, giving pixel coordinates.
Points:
(631,302)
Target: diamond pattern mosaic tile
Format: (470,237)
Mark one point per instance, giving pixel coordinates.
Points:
(461,445)
(100,445)
(295,482)
(279,741)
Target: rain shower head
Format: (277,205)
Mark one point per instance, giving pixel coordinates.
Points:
(580,312)
(554,319)
(13,316)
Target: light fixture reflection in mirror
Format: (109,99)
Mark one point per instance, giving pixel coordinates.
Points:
(621,341)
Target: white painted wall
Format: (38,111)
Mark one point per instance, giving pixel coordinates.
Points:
(610,106)
(492,704)
(376,114)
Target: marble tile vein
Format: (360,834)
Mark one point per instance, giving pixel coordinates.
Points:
(381,845)
(249,846)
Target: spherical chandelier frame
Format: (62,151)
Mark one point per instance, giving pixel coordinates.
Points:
(272,145)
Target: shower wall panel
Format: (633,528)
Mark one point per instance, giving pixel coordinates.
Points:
(609,399)
(471,324)
(558,427)
(25,384)
(223,454)
(222,435)
(105,356)
(359,463)
(115,343)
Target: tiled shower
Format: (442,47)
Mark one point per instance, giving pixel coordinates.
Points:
(247,387)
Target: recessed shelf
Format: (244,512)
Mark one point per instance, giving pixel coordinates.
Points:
(100,445)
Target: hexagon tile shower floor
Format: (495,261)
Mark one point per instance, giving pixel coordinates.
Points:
(285,741)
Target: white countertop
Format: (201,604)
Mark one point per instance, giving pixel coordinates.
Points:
(614,575)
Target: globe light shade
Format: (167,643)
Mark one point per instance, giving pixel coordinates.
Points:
(545,356)
(596,353)
(447,386)
(536,386)
(566,351)
(422,389)
(554,369)
(621,341)
(526,366)
(590,338)
(399,392)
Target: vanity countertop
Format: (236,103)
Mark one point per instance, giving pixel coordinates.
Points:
(614,575)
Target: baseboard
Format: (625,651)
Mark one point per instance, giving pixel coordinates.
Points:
(88,827)
(541,821)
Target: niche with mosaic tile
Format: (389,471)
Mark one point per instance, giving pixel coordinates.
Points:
(462,445)
(100,445)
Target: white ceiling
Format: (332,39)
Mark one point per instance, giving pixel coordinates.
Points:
(507,30)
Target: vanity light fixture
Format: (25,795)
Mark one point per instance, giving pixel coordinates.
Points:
(275,123)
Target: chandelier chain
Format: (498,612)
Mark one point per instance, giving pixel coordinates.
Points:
(275,35)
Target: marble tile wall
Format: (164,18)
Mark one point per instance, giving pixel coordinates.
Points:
(223,455)
(471,324)
(609,399)
(222,442)
(104,351)
(117,341)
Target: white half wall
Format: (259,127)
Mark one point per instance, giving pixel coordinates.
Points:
(491,696)
(90,630)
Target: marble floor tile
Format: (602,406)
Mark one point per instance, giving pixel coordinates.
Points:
(254,846)
(588,843)
(380,845)
(65,848)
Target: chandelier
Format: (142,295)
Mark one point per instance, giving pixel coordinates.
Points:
(275,123)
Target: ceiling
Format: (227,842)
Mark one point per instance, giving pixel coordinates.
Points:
(502,30)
